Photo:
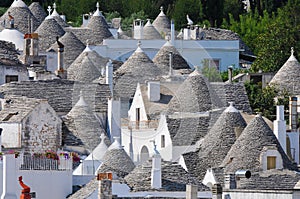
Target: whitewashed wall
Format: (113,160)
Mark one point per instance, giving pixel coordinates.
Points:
(248,194)
(11,134)
(12,70)
(194,51)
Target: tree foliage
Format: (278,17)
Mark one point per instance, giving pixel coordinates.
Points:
(264,100)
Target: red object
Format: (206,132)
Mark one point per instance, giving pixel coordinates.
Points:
(25,194)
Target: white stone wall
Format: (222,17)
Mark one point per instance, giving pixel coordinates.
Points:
(41,130)
(250,194)
(12,70)
(114,117)
(11,135)
(194,51)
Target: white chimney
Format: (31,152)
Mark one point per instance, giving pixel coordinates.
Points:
(9,177)
(156,170)
(109,75)
(170,64)
(172,33)
(154,91)
(186,34)
(293,113)
(280,127)
(114,117)
(138,26)
(1,139)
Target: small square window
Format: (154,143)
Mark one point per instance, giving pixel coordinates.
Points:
(271,162)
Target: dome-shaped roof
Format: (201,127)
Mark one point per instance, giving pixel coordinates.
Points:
(84,72)
(72,48)
(192,96)
(137,69)
(173,176)
(162,23)
(245,152)
(288,77)
(162,58)
(149,31)
(22,15)
(37,11)
(117,161)
(14,36)
(48,31)
(81,120)
(97,60)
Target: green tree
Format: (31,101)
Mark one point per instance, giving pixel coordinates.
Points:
(264,100)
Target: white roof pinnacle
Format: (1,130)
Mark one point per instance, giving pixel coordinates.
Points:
(81,101)
(168,43)
(87,48)
(292,57)
(139,47)
(231,108)
(161,11)
(116,144)
(49,11)
(54,13)
(148,23)
(18,3)
(98,13)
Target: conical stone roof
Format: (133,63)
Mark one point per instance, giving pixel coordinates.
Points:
(73,48)
(149,31)
(245,152)
(83,123)
(192,96)
(288,77)
(162,58)
(217,142)
(117,161)
(84,72)
(60,21)
(97,59)
(37,11)
(162,23)
(48,31)
(99,27)
(174,177)
(22,15)
(137,69)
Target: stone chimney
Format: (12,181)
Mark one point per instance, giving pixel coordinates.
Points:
(156,169)
(280,127)
(60,61)
(138,26)
(293,116)
(105,185)
(9,177)
(114,117)
(1,139)
(230,74)
(172,32)
(229,181)
(34,46)
(191,191)
(216,191)
(170,64)
(109,75)
(154,91)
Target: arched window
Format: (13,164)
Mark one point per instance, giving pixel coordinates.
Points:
(144,156)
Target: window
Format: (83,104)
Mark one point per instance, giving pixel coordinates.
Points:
(163,144)
(11,78)
(271,162)
(212,63)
